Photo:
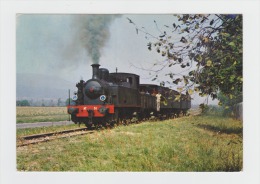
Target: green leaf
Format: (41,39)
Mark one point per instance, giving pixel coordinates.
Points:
(225,34)
(232,78)
(177,97)
(190,91)
(232,44)
(185,80)
(180,89)
(209,63)
(199,58)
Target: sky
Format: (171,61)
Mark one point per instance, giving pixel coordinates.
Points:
(58,45)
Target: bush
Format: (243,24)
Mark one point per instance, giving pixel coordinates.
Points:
(22,103)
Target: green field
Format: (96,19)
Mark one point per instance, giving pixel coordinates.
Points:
(40,114)
(195,143)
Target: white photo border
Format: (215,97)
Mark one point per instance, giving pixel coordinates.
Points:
(251,60)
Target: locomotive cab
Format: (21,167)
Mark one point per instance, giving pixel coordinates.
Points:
(125,79)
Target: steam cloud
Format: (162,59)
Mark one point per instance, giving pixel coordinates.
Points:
(93,32)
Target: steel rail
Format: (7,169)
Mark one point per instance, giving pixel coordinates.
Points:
(37,138)
(28,137)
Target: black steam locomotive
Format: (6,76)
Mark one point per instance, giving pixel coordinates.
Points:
(110,98)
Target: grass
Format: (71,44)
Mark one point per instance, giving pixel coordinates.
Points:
(40,114)
(200,143)
(40,130)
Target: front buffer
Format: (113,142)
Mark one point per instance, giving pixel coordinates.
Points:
(91,114)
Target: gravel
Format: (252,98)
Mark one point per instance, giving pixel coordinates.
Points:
(42,124)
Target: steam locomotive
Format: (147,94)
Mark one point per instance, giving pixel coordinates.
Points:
(110,98)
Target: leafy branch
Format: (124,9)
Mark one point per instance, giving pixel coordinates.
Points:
(208,48)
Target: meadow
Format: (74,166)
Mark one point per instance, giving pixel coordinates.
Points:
(194,143)
(40,114)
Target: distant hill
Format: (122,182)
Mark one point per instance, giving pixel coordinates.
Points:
(42,86)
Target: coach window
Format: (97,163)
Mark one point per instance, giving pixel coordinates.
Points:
(129,79)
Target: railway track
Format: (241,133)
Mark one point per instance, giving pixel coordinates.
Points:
(38,138)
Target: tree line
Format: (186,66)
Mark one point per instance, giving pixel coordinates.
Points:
(43,102)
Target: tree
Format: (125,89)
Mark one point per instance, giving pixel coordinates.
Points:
(68,101)
(22,103)
(59,102)
(51,103)
(43,104)
(207,47)
(18,103)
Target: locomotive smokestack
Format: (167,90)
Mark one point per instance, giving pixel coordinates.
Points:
(95,68)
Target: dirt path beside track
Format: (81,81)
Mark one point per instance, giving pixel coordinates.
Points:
(42,124)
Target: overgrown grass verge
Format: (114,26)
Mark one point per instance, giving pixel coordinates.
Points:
(201,143)
(40,130)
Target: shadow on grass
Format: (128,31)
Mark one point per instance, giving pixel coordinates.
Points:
(231,130)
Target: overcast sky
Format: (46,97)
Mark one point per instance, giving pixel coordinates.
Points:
(51,44)
(43,43)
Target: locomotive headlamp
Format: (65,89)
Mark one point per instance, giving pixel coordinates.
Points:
(102,98)
(75,97)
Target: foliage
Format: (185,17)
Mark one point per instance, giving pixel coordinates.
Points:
(68,101)
(204,108)
(41,102)
(59,102)
(22,103)
(228,104)
(207,47)
(214,110)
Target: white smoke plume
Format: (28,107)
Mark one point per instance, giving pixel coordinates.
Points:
(93,33)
